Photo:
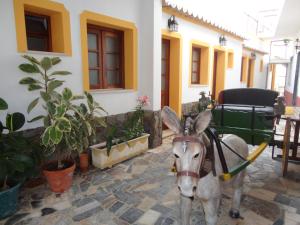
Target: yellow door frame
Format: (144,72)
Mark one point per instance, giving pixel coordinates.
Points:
(221,69)
(175,82)
(273,66)
(251,75)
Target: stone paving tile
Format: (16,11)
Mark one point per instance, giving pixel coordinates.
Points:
(132,215)
(87,213)
(142,191)
(114,208)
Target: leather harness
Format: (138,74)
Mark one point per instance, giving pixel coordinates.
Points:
(187,138)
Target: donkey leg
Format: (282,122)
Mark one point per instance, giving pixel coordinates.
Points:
(237,195)
(211,208)
(185,209)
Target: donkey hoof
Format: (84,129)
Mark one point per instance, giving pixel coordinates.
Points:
(235,214)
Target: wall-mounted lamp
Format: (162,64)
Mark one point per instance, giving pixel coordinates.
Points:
(253,55)
(172,24)
(222,40)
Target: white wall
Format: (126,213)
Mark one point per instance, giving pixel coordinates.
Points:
(190,31)
(140,12)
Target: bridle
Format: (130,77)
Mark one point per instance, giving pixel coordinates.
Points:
(184,140)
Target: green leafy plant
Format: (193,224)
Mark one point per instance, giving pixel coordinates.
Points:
(133,128)
(16,162)
(42,80)
(68,125)
(204,102)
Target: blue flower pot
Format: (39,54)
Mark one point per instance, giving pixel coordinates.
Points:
(9,201)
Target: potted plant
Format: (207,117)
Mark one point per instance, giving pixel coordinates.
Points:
(92,114)
(66,126)
(132,141)
(16,163)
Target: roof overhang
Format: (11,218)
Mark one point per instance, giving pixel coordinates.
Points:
(289,20)
(196,19)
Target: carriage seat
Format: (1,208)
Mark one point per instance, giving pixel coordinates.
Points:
(248,96)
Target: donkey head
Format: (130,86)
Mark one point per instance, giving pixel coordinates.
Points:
(188,148)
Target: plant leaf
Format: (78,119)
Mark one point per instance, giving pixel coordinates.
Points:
(28,80)
(77,97)
(60,110)
(46,136)
(1,128)
(32,105)
(36,119)
(31,59)
(33,87)
(15,121)
(50,108)
(55,60)
(45,96)
(63,73)
(54,84)
(29,68)
(89,97)
(63,125)
(46,63)
(3,104)
(67,94)
(55,135)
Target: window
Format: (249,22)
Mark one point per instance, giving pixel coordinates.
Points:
(115,42)
(196,59)
(200,63)
(230,59)
(38,31)
(42,26)
(105,54)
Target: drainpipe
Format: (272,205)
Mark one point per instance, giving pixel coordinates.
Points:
(294,101)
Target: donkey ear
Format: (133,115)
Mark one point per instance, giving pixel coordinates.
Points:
(170,119)
(202,121)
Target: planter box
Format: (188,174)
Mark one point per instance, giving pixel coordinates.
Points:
(119,152)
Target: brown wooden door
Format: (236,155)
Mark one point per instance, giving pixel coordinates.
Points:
(165,72)
(214,83)
(249,73)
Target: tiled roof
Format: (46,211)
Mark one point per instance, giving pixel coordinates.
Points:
(200,19)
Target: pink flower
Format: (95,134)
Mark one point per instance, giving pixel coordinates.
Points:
(143,100)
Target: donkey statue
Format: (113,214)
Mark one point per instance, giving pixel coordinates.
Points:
(190,148)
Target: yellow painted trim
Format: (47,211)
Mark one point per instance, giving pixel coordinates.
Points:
(130,45)
(59,18)
(252,70)
(200,22)
(175,90)
(253,155)
(245,62)
(273,76)
(204,63)
(230,53)
(226,177)
(221,69)
(261,66)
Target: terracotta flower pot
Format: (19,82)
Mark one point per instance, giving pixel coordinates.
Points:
(59,180)
(84,162)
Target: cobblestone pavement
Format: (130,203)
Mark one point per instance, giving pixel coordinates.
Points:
(143,191)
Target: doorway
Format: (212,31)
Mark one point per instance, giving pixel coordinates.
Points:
(165,72)
(219,71)
(250,74)
(215,66)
